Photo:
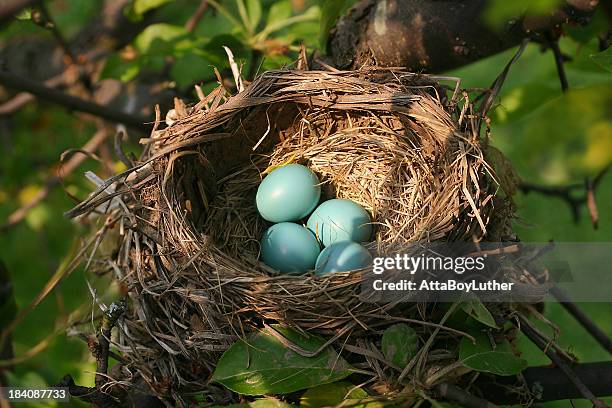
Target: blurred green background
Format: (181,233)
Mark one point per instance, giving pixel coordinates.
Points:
(551,138)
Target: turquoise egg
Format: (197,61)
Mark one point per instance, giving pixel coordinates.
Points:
(340,220)
(288,193)
(289,248)
(341,257)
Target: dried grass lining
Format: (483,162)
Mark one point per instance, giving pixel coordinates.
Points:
(390,140)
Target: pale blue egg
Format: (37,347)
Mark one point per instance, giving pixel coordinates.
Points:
(340,220)
(288,193)
(289,248)
(341,257)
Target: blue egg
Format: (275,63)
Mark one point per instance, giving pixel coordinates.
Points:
(340,220)
(289,193)
(341,257)
(289,248)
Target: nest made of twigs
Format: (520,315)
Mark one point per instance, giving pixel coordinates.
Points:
(398,143)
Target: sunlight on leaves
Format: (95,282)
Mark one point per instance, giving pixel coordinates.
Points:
(142,6)
(331,395)
(156,32)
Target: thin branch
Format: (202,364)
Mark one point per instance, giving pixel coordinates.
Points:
(6,299)
(23,98)
(546,383)
(553,43)
(87,394)
(193,21)
(75,161)
(44,19)
(525,326)
(495,88)
(71,102)
(567,194)
(595,331)
(465,399)
(109,319)
(97,395)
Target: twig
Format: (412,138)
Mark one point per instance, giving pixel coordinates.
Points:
(109,319)
(495,88)
(6,301)
(566,193)
(553,43)
(75,161)
(193,21)
(88,394)
(120,135)
(23,98)
(97,395)
(49,94)
(465,399)
(582,318)
(525,327)
(43,19)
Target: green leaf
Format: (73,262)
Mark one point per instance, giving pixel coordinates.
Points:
(156,33)
(190,69)
(279,11)
(263,365)
(482,356)
(25,14)
(269,403)
(254,12)
(116,68)
(142,6)
(399,344)
(499,12)
(331,395)
(478,311)
(604,59)
(214,49)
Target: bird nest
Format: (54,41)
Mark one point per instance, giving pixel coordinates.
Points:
(400,144)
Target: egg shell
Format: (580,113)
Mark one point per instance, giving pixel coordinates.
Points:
(340,220)
(341,257)
(288,193)
(289,248)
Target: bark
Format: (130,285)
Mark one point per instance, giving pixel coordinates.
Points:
(434,35)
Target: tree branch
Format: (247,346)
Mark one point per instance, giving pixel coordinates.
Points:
(583,319)
(98,395)
(566,193)
(433,35)
(71,102)
(547,383)
(43,19)
(465,399)
(193,21)
(525,326)
(91,146)
(559,63)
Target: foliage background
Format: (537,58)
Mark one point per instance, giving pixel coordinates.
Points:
(550,137)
